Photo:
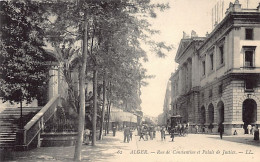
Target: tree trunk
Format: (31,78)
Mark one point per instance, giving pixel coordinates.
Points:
(77,154)
(108,108)
(94,119)
(103,107)
(21,115)
(108,119)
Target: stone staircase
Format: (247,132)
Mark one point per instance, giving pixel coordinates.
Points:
(9,124)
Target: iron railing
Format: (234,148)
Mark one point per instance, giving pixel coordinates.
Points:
(36,124)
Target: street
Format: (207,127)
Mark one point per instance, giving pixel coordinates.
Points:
(194,147)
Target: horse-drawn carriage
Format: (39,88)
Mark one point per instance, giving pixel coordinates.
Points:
(175,125)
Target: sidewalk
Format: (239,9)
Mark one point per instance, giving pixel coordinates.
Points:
(107,149)
(100,152)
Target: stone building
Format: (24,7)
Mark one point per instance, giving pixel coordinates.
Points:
(218,78)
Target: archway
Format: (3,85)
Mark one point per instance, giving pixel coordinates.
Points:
(220,107)
(211,113)
(203,115)
(249,113)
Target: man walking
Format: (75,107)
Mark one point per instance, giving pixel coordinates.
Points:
(163,133)
(126,134)
(221,129)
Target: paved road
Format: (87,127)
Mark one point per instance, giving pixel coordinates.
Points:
(194,147)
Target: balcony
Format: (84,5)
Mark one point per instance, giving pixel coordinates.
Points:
(248,64)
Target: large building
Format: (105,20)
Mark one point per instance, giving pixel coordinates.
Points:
(218,78)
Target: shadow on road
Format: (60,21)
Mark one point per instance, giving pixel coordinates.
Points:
(104,149)
(244,140)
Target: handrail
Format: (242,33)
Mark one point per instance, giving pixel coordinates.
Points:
(40,113)
(35,125)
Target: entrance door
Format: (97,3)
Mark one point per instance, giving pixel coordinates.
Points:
(220,112)
(211,113)
(249,113)
(203,115)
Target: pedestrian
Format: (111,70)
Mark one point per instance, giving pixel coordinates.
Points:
(253,129)
(210,127)
(163,133)
(256,133)
(126,134)
(86,136)
(196,129)
(249,127)
(182,130)
(141,136)
(172,134)
(203,129)
(151,133)
(131,134)
(221,129)
(114,131)
(145,130)
(186,129)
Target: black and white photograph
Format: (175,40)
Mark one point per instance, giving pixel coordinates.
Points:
(130,80)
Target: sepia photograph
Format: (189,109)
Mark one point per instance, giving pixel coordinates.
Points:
(130,80)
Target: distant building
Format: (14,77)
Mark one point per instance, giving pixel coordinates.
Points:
(218,78)
(166,105)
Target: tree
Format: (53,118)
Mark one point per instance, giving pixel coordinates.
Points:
(97,24)
(22,59)
(116,20)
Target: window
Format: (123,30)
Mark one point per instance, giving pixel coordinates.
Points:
(249,85)
(203,68)
(220,89)
(211,61)
(249,34)
(248,58)
(221,54)
(202,96)
(249,52)
(210,93)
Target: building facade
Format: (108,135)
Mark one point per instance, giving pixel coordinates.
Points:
(218,78)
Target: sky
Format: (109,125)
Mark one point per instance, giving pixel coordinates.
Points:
(183,15)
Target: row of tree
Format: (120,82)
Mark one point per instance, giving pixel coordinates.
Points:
(98,39)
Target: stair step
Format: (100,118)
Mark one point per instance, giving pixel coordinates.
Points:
(7,133)
(18,114)
(8,124)
(8,130)
(5,146)
(7,142)
(8,136)
(11,108)
(7,139)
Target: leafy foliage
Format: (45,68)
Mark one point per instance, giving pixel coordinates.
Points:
(22,58)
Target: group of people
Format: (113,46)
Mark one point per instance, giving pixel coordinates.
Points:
(128,133)
(146,131)
(252,129)
(181,130)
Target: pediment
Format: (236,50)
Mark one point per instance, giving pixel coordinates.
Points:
(182,46)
